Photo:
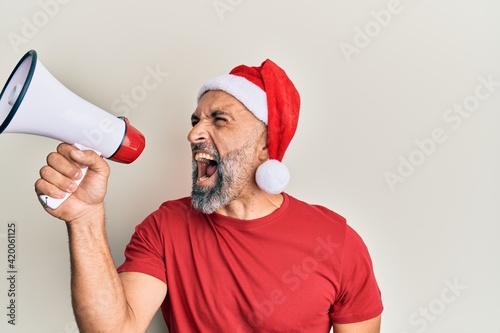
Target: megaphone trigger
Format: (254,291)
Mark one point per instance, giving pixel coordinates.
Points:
(54,203)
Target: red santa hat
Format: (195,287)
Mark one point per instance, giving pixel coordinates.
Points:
(270,95)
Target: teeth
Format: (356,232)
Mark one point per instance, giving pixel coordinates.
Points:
(203,157)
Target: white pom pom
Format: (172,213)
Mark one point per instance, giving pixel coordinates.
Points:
(272,176)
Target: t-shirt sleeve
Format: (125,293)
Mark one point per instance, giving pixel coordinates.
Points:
(145,251)
(359,297)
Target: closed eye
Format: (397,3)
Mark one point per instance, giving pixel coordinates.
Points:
(220,119)
(194,120)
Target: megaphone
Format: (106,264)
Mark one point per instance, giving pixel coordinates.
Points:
(34,102)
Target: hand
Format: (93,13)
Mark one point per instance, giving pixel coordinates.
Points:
(59,175)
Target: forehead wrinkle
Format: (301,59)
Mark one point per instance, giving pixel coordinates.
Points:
(219,100)
(226,107)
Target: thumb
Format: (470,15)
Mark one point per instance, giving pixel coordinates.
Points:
(89,158)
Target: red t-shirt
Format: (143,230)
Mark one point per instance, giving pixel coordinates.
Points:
(296,270)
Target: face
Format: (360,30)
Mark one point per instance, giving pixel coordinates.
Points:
(228,145)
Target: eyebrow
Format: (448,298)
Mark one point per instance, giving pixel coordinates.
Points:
(216,113)
(213,114)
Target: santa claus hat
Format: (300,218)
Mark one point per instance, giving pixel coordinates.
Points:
(270,95)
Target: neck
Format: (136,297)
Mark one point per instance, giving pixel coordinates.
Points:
(253,206)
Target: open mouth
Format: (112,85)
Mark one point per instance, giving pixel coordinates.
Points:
(207,166)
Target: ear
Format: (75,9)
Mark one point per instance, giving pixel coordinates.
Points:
(263,153)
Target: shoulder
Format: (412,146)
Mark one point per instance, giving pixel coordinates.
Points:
(315,211)
(320,219)
(177,205)
(171,212)
(314,221)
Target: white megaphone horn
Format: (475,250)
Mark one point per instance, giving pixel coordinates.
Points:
(35,102)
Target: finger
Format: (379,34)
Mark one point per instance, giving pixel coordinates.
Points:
(63,166)
(66,150)
(89,158)
(60,181)
(44,187)
(83,158)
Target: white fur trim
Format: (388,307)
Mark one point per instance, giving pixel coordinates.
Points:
(243,90)
(272,176)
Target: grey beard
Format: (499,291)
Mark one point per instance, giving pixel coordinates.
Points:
(230,174)
(209,199)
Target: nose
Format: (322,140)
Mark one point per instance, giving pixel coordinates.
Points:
(197,134)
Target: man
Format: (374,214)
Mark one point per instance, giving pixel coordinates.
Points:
(240,254)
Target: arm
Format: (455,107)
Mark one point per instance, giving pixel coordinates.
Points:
(367,326)
(103,300)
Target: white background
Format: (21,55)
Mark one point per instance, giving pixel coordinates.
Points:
(362,113)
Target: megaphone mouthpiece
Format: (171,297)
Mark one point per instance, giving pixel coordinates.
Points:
(132,145)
